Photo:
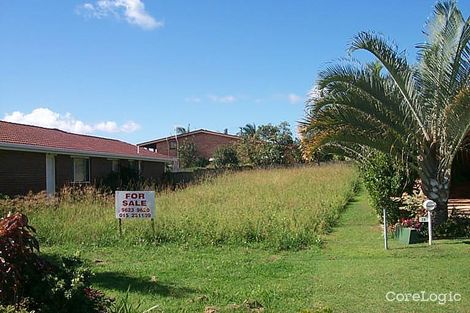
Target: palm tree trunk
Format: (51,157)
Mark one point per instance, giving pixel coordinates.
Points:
(439,193)
(435,184)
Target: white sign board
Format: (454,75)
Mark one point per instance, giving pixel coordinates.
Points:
(423,219)
(429,205)
(135,204)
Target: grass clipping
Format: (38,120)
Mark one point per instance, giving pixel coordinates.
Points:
(285,209)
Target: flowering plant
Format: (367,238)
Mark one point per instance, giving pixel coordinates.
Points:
(410,222)
(411,209)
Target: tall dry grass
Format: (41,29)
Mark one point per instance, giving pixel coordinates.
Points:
(280,208)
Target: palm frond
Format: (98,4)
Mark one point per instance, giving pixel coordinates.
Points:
(457,122)
(401,73)
(444,60)
(342,123)
(366,90)
(353,151)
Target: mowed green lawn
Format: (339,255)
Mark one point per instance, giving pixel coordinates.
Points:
(350,272)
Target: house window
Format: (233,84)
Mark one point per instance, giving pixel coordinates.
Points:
(134,166)
(115,165)
(173,145)
(81,170)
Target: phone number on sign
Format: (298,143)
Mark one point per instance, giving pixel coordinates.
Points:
(135,215)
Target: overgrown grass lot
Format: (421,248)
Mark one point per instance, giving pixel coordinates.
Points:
(285,209)
(257,241)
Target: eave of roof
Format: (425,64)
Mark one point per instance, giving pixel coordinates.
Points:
(73,152)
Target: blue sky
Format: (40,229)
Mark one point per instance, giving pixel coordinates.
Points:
(135,69)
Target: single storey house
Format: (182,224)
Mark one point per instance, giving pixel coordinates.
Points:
(205,141)
(36,159)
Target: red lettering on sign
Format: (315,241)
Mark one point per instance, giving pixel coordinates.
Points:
(134,202)
(135,195)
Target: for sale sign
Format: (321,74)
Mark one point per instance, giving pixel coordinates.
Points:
(135,204)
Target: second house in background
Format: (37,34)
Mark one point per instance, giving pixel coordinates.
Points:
(205,141)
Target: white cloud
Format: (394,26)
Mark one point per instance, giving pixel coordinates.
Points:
(212,98)
(47,118)
(108,127)
(193,99)
(293,98)
(130,127)
(222,99)
(133,11)
(88,6)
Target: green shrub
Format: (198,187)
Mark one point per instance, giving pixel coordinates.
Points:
(13,309)
(187,153)
(454,227)
(29,281)
(121,180)
(200,162)
(189,156)
(268,145)
(386,179)
(225,156)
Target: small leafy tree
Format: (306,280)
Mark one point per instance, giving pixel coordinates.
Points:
(247,150)
(385,180)
(268,145)
(187,153)
(226,156)
(189,156)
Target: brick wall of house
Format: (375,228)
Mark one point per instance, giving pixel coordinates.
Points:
(206,144)
(123,163)
(164,148)
(63,171)
(100,168)
(152,170)
(21,172)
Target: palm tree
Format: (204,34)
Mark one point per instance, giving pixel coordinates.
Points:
(181,130)
(249,130)
(418,112)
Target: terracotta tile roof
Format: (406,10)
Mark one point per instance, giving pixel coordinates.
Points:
(34,137)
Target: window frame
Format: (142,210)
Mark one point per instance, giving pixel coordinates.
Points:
(115,165)
(87,173)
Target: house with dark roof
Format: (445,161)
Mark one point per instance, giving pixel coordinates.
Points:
(36,159)
(205,141)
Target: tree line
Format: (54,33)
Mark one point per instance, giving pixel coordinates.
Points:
(263,145)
